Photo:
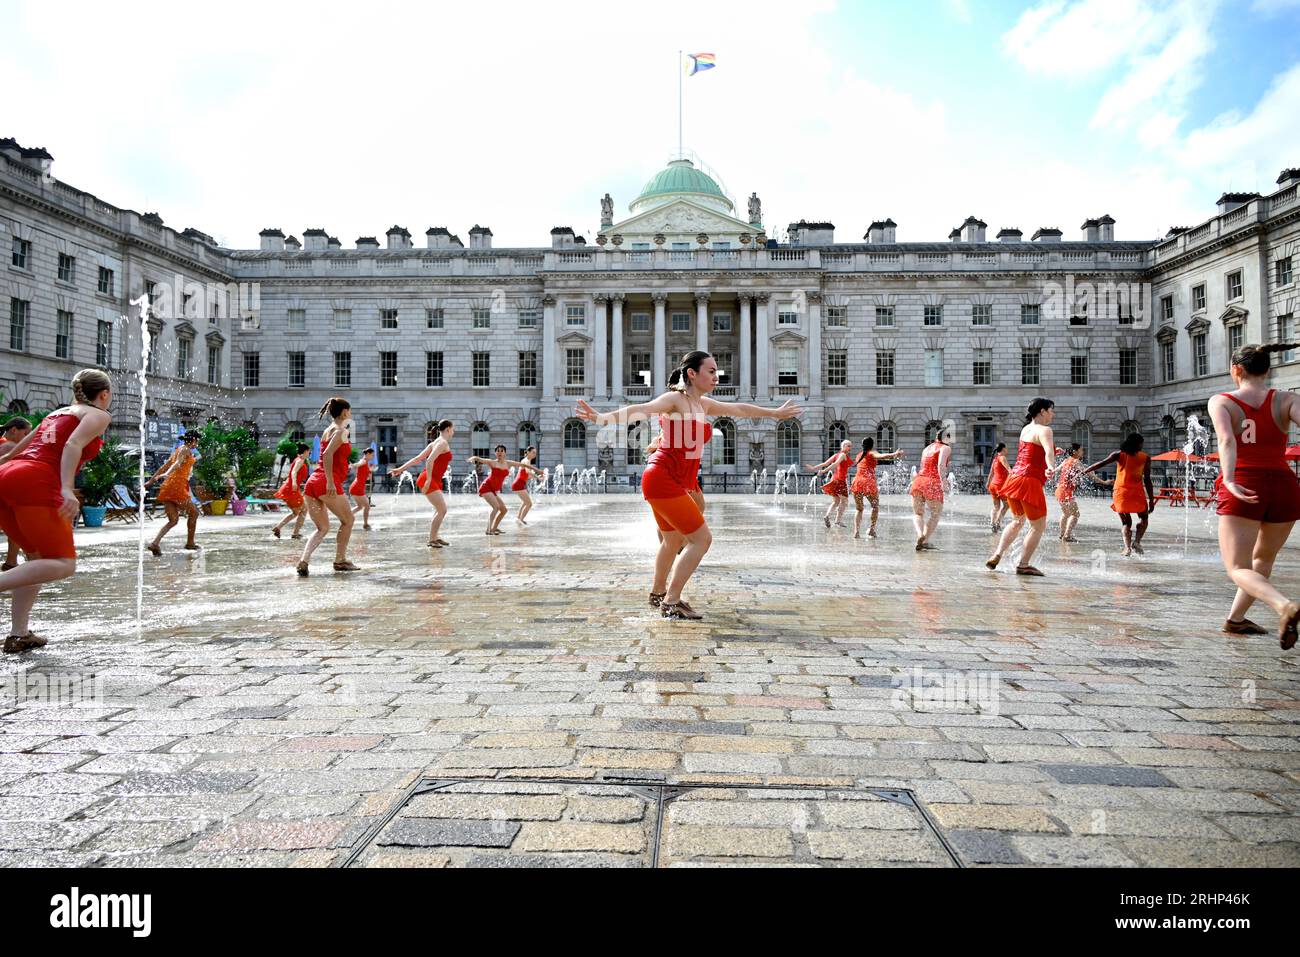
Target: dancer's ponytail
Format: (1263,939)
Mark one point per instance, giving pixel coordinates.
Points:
(1038,405)
(334,407)
(1254,359)
(692,361)
(88,384)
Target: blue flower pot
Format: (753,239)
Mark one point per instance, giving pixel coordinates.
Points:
(93,515)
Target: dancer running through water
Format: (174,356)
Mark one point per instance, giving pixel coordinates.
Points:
(838,487)
(175,495)
(998,473)
(1035,460)
(1068,479)
(360,488)
(15,430)
(927,490)
(38,499)
(436,456)
(290,492)
(324,488)
(864,483)
(1133,493)
(1259,498)
(666,481)
(520,485)
(490,490)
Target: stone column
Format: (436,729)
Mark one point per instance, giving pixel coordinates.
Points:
(616,347)
(762,345)
(814,345)
(744,379)
(702,321)
(601,389)
(548,347)
(661,343)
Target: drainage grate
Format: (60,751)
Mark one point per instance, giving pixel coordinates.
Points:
(541,822)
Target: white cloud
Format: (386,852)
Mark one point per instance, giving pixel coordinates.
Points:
(960,10)
(1057,38)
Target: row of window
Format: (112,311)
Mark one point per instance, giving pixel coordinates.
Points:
(1234,288)
(1236,338)
(981,367)
(21,258)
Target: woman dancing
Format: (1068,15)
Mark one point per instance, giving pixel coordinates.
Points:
(291,493)
(1259,498)
(864,483)
(666,481)
(38,500)
(175,495)
(692,484)
(998,472)
(15,430)
(324,488)
(436,456)
(360,490)
(520,485)
(927,490)
(838,487)
(490,490)
(1068,478)
(1133,493)
(1035,460)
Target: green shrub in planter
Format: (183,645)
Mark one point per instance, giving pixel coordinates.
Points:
(112,466)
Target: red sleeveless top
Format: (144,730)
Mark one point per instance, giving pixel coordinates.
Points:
(51,436)
(494,481)
(316,485)
(1267,451)
(930,461)
(1031,462)
(999,472)
(521,481)
(842,470)
(675,466)
(432,480)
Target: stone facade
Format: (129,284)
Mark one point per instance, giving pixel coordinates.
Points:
(878,337)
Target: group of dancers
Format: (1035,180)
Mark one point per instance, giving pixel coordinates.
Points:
(1258,495)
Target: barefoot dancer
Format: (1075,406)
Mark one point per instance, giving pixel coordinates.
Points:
(1259,499)
(15,430)
(838,487)
(1133,493)
(324,488)
(520,485)
(291,493)
(864,484)
(666,481)
(1068,478)
(490,490)
(359,489)
(927,490)
(436,456)
(38,501)
(998,473)
(175,495)
(1023,488)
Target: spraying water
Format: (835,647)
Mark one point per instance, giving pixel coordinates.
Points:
(142,375)
(1197,435)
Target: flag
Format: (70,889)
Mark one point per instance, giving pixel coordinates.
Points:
(701,61)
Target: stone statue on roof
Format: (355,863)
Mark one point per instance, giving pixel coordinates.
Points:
(755,209)
(606,211)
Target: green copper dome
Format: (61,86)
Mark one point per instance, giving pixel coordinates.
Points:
(681,176)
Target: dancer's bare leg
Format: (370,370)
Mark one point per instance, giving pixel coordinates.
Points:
(339,506)
(173,516)
(439,513)
(1127,532)
(670,543)
(526,505)
(1249,550)
(24,584)
(321,519)
(1009,534)
(191,523)
(936,509)
(918,517)
(857,518)
(1036,528)
(697,544)
(875,514)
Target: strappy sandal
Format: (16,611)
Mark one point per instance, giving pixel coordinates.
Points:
(690,612)
(676,612)
(275,532)
(7,567)
(193,548)
(155,549)
(442,542)
(1029,570)
(15,645)
(433,545)
(295,536)
(656,598)
(1286,629)
(366,527)
(992,563)
(345,567)
(827,521)
(303,569)
(1243,627)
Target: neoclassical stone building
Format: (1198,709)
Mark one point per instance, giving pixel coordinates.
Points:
(874,337)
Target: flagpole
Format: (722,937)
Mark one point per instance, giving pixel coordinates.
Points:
(679,104)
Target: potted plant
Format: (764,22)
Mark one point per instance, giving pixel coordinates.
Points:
(211,468)
(109,468)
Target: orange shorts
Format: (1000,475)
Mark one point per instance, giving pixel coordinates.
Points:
(1032,510)
(680,514)
(38,530)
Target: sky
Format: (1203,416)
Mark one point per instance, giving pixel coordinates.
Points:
(520,116)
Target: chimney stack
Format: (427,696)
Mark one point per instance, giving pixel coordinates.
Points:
(1046,234)
(315,239)
(1107,229)
(973,230)
(272,240)
(480,237)
(1010,235)
(561,237)
(398,238)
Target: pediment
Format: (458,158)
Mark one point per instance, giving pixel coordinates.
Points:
(680,220)
(1197,325)
(574,337)
(1166,334)
(789,337)
(1234,314)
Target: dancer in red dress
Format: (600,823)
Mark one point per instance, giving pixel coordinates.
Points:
(324,488)
(290,492)
(838,486)
(665,483)
(360,488)
(1133,493)
(927,490)
(175,495)
(436,456)
(693,487)
(1068,477)
(864,483)
(1035,461)
(490,490)
(15,430)
(1259,497)
(520,485)
(998,473)
(38,499)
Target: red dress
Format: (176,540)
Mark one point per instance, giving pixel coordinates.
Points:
(864,479)
(1129,494)
(521,481)
(674,468)
(358,486)
(496,478)
(928,483)
(316,487)
(1023,488)
(289,492)
(693,461)
(998,477)
(1262,468)
(431,481)
(838,485)
(1067,481)
(31,489)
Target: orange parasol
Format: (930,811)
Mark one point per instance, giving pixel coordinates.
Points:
(1176,455)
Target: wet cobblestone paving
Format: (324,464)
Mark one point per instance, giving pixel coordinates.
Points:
(1093,717)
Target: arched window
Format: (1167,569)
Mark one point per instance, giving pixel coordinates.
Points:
(723,445)
(480,440)
(836,433)
(636,443)
(932,430)
(575,444)
(787,443)
(18,407)
(1082,433)
(527,437)
(295,431)
(1128,428)
(1168,433)
(886,436)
